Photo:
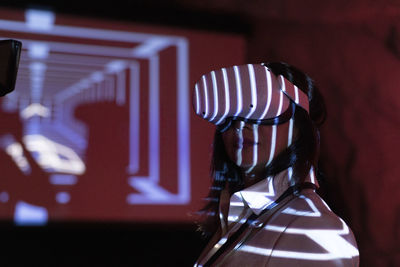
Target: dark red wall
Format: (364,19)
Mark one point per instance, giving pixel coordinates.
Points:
(356,65)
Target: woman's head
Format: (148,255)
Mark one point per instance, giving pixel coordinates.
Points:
(248,145)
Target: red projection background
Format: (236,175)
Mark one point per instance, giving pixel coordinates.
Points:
(100,126)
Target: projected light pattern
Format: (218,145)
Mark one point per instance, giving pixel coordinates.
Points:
(256,145)
(266,224)
(248,91)
(255,148)
(56,77)
(28,214)
(16,152)
(304,232)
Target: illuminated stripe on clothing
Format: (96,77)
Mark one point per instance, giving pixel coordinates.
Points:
(239,152)
(293,254)
(312,175)
(290,133)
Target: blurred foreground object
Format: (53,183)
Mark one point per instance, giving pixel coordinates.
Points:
(10,51)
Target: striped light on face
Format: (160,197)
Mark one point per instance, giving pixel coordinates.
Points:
(251,92)
(239,150)
(274,131)
(255,148)
(256,145)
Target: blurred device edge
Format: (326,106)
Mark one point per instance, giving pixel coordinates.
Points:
(10,51)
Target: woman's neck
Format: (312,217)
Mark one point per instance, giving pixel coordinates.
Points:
(281,180)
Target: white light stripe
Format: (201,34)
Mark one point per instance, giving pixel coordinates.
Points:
(205,97)
(305,231)
(316,212)
(223,224)
(253,90)
(255,148)
(290,173)
(183,120)
(282,83)
(134,118)
(273,144)
(290,134)
(215,92)
(233,218)
(269,88)
(280,103)
(63,179)
(312,176)
(326,205)
(291,254)
(271,190)
(227,99)
(154,118)
(306,213)
(197,99)
(296,94)
(60,30)
(214,249)
(40,20)
(236,204)
(238,91)
(274,130)
(239,151)
(121,87)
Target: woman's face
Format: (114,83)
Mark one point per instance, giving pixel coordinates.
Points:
(253,146)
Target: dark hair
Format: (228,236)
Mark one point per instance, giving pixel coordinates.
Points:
(301,155)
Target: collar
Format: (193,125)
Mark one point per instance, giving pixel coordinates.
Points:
(262,194)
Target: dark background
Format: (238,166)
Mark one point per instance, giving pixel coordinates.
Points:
(351,49)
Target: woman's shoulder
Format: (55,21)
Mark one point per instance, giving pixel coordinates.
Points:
(311,207)
(311,213)
(315,234)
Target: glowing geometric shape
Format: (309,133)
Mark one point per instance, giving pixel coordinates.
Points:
(63,197)
(28,214)
(40,19)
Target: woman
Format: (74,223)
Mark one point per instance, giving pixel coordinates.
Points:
(263,208)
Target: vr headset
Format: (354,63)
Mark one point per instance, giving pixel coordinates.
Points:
(251,93)
(10,51)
